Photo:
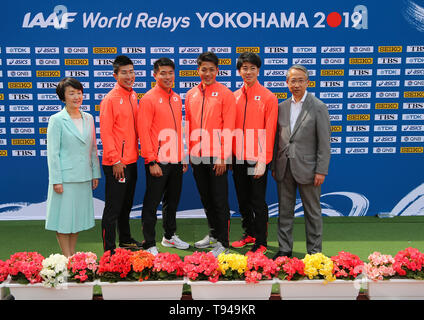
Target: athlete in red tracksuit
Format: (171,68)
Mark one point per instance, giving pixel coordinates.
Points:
(118,132)
(253,144)
(162,147)
(210,116)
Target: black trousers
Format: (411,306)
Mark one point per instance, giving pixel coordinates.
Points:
(167,189)
(251,195)
(118,204)
(213,192)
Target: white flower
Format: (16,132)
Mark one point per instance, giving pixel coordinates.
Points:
(54,270)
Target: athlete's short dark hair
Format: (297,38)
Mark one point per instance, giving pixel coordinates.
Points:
(251,57)
(121,61)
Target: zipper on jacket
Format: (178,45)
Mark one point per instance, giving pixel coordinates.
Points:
(123,146)
(201,120)
(244,124)
(132,111)
(175,124)
(159,148)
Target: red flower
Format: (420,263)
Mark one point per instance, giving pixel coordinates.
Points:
(259,267)
(409,263)
(82,266)
(25,267)
(290,268)
(115,267)
(347,265)
(201,266)
(4,271)
(167,266)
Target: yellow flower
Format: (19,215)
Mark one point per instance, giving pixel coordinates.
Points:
(318,266)
(232,261)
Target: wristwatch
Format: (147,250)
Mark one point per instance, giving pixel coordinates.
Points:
(152,163)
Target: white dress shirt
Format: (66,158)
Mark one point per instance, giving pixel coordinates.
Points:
(295,109)
(78,124)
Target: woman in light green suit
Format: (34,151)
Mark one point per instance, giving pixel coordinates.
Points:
(74,167)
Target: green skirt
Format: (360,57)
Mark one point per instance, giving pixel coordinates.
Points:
(73,210)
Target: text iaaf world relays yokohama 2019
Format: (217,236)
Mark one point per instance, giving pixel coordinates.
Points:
(62,19)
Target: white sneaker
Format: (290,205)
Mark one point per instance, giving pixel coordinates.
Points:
(206,242)
(218,249)
(175,242)
(153,250)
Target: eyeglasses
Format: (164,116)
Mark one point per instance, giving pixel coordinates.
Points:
(298,81)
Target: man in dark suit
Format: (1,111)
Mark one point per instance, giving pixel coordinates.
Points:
(300,161)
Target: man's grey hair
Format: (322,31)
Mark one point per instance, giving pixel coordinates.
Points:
(299,67)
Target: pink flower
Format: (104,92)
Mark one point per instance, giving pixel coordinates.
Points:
(347,265)
(82,266)
(167,266)
(259,267)
(201,266)
(25,267)
(409,263)
(4,271)
(289,268)
(380,266)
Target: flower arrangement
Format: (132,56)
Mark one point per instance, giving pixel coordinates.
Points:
(290,268)
(25,267)
(115,267)
(167,266)
(409,263)
(54,271)
(4,271)
(259,267)
(380,266)
(201,266)
(347,265)
(141,264)
(318,266)
(232,266)
(82,267)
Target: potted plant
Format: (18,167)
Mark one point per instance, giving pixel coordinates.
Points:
(235,276)
(4,273)
(141,275)
(82,267)
(201,266)
(400,278)
(55,271)
(25,267)
(319,277)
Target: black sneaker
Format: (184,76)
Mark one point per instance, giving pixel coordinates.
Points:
(258,248)
(131,245)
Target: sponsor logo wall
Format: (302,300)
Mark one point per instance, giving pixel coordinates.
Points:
(365,62)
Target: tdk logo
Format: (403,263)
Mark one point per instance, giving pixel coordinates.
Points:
(59,19)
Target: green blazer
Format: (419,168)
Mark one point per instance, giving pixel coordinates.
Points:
(71,157)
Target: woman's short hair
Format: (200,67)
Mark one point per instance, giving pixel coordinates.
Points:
(66,82)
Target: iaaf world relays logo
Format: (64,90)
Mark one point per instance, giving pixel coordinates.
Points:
(61,18)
